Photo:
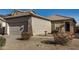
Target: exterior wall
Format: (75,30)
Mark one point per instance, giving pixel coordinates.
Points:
(72,27)
(3,24)
(52,26)
(39,26)
(57,24)
(30,26)
(7,29)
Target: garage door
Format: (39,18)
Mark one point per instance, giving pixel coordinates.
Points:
(18,28)
(15,30)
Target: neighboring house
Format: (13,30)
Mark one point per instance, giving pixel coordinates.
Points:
(19,22)
(2,25)
(63,23)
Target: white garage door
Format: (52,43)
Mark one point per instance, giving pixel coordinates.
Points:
(15,30)
(18,28)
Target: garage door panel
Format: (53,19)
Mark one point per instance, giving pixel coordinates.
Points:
(18,28)
(15,30)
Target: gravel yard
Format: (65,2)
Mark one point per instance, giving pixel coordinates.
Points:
(34,43)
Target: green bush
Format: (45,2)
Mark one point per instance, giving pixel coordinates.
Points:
(2,41)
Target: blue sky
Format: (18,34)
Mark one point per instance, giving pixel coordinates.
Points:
(48,12)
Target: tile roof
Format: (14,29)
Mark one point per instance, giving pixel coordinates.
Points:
(26,14)
(59,17)
(50,18)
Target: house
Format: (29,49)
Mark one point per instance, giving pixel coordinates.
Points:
(63,23)
(20,22)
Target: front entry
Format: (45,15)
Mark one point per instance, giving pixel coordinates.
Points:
(67,26)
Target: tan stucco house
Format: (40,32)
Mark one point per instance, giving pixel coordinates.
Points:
(19,22)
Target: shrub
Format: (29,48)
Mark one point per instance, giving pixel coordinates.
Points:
(54,31)
(2,41)
(25,36)
(62,39)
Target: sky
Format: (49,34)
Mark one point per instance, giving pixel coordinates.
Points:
(48,12)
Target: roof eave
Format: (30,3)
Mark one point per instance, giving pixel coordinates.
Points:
(29,14)
(66,19)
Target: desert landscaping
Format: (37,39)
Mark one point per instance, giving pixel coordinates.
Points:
(35,43)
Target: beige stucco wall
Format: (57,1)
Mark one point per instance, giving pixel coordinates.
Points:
(39,26)
(7,30)
(3,24)
(72,27)
(58,24)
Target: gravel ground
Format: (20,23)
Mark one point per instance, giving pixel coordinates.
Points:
(34,43)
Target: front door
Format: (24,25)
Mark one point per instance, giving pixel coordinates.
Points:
(67,26)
